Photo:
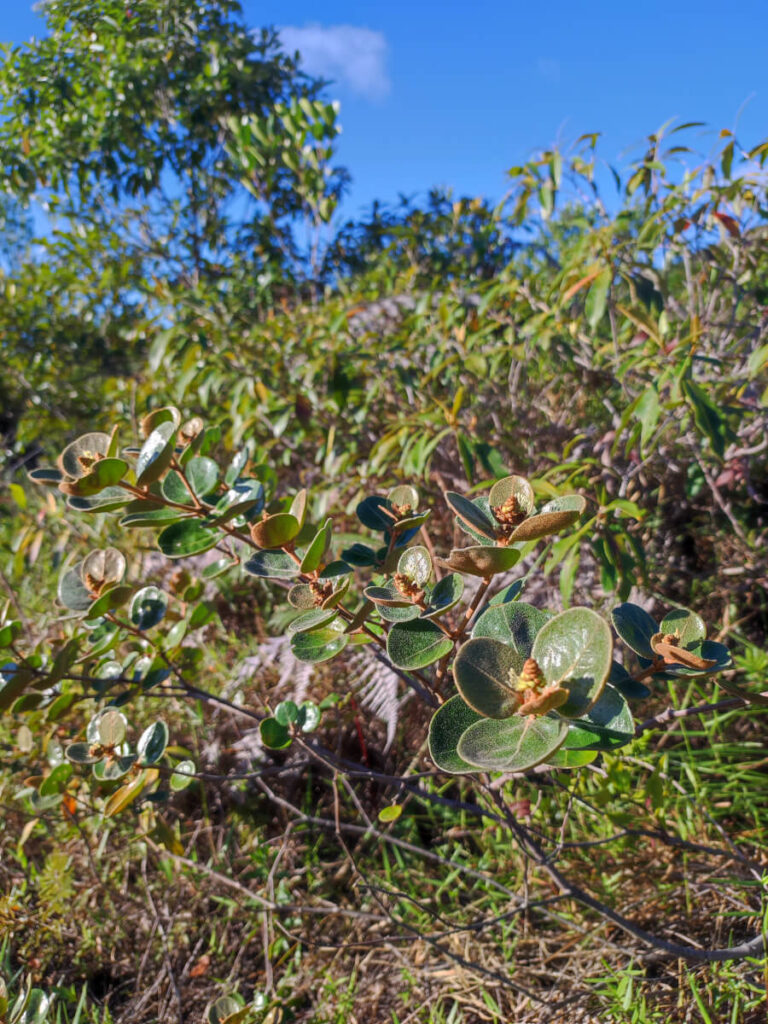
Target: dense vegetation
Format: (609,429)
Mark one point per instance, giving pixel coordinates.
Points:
(389,640)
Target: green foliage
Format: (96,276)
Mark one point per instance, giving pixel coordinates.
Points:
(529,682)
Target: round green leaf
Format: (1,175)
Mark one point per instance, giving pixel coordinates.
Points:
(399,613)
(416,563)
(80,753)
(112,728)
(606,726)
(173,489)
(512,744)
(445,595)
(482,560)
(188,537)
(308,717)
(320,644)
(113,768)
(564,758)
(148,607)
(417,643)
(635,627)
(301,596)
(688,626)
(314,619)
(56,780)
(72,592)
(514,623)
(109,500)
(625,684)
(276,565)
(376,513)
(202,474)
(181,776)
(485,671)
(152,743)
(165,414)
(575,650)
(105,473)
(512,487)
(448,725)
(243,496)
(275,531)
(390,813)
(287,712)
(404,496)
(273,734)
(388,595)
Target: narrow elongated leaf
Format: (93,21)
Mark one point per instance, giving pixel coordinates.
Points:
(125,796)
(111,598)
(152,743)
(156,453)
(109,500)
(315,553)
(470,515)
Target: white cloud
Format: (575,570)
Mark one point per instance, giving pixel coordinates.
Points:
(347,54)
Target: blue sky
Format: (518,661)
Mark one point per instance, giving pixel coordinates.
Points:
(448,93)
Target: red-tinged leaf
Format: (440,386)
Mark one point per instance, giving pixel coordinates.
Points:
(730,224)
(581,283)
